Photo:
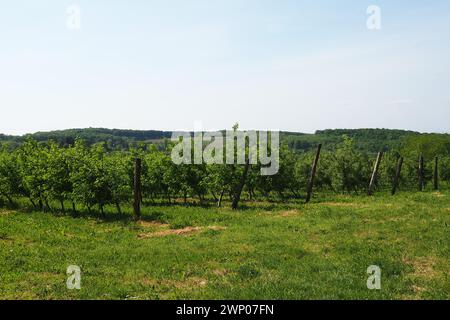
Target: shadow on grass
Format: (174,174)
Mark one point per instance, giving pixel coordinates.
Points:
(148,213)
(8,205)
(153,211)
(109,216)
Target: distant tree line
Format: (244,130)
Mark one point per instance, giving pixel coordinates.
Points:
(369,140)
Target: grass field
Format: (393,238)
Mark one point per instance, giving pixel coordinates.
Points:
(264,251)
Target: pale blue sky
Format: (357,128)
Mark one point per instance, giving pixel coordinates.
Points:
(288,65)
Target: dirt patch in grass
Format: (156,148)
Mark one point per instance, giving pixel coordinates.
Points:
(178,232)
(438,194)
(342,204)
(392,206)
(220,272)
(365,234)
(152,224)
(289,213)
(5,212)
(283,214)
(423,269)
(415,296)
(418,289)
(323,249)
(423,266)
(406,217)
(169,232)
(189,283)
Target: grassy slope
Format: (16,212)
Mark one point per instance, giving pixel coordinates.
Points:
(266,251)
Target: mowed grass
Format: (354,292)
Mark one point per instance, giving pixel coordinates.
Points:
(264,251)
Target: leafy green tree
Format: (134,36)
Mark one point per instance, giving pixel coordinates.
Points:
(116,167)
(444,168)
(219,180)
(33,161)
(351,168)
(155,163)
(83,174)
(10,175)
(428,145)
(57,176)
(284,180)
(387,170)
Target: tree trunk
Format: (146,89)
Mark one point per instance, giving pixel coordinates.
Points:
(10,200)
(421,174)
(62,205)
(294,193)
(436,173)
(48,205)
(119,210)
(313,174)
(281,195)
(375,173)
(237,196)
(74,208)
(137,189)
(397,175)
(33,203)
(219,203)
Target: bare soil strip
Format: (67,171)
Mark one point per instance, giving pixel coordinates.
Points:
(178,232)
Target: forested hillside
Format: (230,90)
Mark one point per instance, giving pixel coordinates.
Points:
(115,138)
(370,140)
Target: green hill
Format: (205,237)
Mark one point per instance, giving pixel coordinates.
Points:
(371,140)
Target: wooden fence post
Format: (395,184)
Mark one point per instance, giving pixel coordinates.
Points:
(421,174)
(313,174)
(397,175)
(137,189)
(374,173)
(436,173)
(237,195)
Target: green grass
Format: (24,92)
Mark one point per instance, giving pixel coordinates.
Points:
(265,251)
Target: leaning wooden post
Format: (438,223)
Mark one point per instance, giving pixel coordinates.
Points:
(397,175)
(421,174)
(313,174)
(237,195)
(137,189)
(436,173)
(374,174)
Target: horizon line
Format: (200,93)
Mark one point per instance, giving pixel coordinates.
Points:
(187,130)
